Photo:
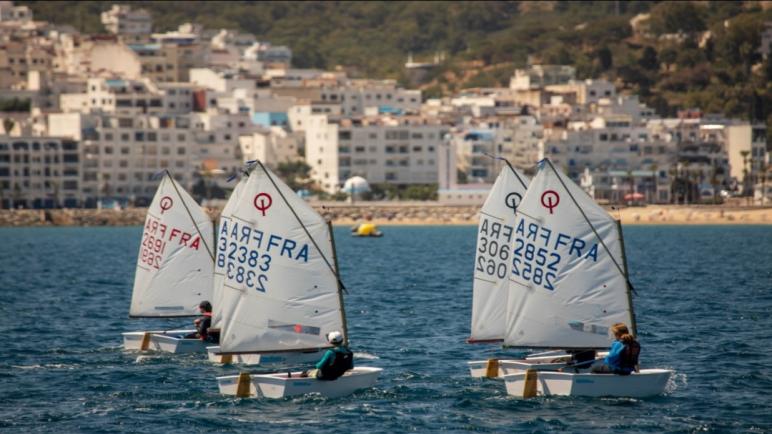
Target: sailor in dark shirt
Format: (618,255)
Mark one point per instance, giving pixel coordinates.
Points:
(203,324)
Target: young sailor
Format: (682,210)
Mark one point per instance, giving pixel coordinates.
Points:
(622,358)
(203,324)
(335,362)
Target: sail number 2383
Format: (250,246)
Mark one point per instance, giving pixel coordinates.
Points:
(534,264)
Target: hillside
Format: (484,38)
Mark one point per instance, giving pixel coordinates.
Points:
(686,54)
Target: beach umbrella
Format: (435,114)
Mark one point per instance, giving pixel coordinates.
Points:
(634,196)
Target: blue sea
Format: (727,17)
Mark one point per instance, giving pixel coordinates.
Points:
(703,308)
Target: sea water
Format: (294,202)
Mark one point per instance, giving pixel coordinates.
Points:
(704,296)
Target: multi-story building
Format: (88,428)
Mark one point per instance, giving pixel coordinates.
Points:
(382,149)
(18,57)
(39,172)
(9,12)
(540,76)
(272,146)
(131,25)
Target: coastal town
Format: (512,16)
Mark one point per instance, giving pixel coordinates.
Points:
(90,120)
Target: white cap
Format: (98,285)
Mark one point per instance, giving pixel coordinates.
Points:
(334,337)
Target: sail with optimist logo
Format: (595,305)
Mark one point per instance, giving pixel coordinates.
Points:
(175,266)
(493,261)
(568,280)
(279,285)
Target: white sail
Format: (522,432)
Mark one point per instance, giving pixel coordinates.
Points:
(279,290)
(492,262)
(175,266)
(222,243)
(567,283)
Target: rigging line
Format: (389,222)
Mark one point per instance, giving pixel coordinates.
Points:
(589,223)
(203,238)
(510,167)
(326,261)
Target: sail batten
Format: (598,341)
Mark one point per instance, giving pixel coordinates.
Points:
(492,256)
(174,270)
(277,290)
(566,289)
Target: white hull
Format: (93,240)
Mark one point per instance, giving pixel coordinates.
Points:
(274,359)
(648,382)
(548,361)
(170,341)
(279,386)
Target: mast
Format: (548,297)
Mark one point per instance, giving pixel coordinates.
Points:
(340,288)
(633,324)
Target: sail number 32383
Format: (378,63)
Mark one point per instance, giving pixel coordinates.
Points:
(243,265)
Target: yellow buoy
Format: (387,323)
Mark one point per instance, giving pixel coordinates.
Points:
(366,229)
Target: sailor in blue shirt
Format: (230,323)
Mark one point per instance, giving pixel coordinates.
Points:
(623,355)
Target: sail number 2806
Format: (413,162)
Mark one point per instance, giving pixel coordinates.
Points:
(535,264)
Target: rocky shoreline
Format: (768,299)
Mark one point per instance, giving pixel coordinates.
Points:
(399,214)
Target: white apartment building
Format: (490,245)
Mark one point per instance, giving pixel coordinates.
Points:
(608,143)
(272,146)
(381,149)
(122,155)
(356,96)
(123,21)
(39,172)
(9,12)
(540,76)
(518,139)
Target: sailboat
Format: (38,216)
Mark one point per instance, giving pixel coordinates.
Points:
(569,286)
(214,355)
(492,265)
(175,267)
(281,290)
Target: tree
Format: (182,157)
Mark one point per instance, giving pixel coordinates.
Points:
(649,59)
(605,58)
(295,173)
(677,16)
(8,125)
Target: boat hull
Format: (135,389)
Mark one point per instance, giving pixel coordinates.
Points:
(278,385)
(548,361)
(274,359)
(171,341)
(643,384)
(479,368)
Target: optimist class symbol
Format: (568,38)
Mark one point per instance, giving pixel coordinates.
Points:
(262,202)
(166,203)
(550,199)
(513,200)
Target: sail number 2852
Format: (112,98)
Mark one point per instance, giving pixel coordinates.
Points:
(535,264)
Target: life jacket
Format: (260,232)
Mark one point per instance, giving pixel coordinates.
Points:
(203,326)
(628,358)
(343,361)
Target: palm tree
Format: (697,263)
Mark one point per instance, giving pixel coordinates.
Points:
(745,171)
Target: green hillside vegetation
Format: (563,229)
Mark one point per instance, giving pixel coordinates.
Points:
(669,61)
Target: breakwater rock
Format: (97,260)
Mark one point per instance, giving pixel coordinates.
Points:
(402,213)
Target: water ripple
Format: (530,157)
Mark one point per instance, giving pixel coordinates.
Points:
(703,310)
